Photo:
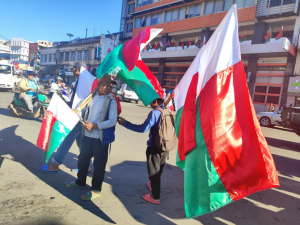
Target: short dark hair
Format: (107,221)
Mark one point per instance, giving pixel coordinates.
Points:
(78,65)
(159,101)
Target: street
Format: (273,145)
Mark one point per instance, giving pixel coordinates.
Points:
(30,196)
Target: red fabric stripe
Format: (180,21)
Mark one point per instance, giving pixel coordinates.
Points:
(279,35)
(142,66)
(233,136)
(45,130)
(187,138)
(118,104)
(131,49)
(94,85)
(267,35)
(243,36)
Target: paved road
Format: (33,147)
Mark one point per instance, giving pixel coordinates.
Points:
(29,196)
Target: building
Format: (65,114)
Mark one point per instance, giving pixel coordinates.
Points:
(64,54)
(19,49)
(45,44)
(4,50)
(268,65)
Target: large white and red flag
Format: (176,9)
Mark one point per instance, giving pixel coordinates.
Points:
(221,148)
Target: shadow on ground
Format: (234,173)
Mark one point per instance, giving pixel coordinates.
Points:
(12,144)
(287,145)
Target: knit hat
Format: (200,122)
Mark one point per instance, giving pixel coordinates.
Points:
(78,65)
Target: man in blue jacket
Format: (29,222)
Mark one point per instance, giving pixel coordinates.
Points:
(155,158)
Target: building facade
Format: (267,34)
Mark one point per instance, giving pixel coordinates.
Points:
(268,65)
(4,50)
(63,55)
(19,49)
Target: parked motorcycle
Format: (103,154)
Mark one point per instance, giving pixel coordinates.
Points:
(18,107)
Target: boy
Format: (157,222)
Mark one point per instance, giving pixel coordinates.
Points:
(155,158)
(98,134)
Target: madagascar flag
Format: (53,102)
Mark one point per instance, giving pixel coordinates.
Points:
(243,38)
(125,63)
(268,36)
(221,147)
(280,34)
(58,121)
(182,45)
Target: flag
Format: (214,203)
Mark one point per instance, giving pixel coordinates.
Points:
(175,44)
(109,50)
(268,36)
(149,47)
(155,46)
(86,84)
(126,64)
(197,43)
(221,147)
(189,43)
(280,34)
(182,44)
(58,121)
(159,46)
(167,44)
(243,38)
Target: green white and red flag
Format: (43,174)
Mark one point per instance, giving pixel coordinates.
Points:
(159,46)
(58,121)
(197,43)
(155,46)
(167,44)
(189,44)
(268,36)
(182,44)
(175,44)
(125,63)
(280,34)
(243,38)
(149,47)
(221,147)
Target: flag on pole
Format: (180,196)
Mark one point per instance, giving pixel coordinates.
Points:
(175,44)
(243,38)
(125,63)
(280,34)
(58,121)
(109,50)
(159,46)
(197,43)
(268,36)
(221,147)
(167,44)
(170,104)
(189,43)
(155,46)
(182,44)
(149,46)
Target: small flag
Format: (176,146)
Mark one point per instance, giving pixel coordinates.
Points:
(109,50)
(149,47)
(167,44)
(197,43)
(268,36)
(175,44)
(280,34)
(155,46)
(182,44)
(189,43)
(159,46)
(243,38)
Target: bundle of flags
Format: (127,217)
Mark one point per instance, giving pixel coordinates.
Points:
(221,147)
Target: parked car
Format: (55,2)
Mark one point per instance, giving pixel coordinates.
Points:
(268,119)
(126,94)
(291,118)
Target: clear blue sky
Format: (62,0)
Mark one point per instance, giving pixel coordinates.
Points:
(51,20)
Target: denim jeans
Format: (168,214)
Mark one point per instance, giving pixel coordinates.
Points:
(65,146)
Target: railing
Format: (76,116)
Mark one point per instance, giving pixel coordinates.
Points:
(266,8)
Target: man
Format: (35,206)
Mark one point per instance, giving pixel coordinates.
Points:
(155,158)
(28,90)
(100,121)
(75,133)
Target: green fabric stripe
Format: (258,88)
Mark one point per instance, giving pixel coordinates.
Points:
(135,79)
(203,190)
(58,134)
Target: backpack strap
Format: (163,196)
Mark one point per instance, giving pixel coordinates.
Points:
(159,109)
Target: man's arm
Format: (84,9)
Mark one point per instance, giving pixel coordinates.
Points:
(149,122)
(23,86)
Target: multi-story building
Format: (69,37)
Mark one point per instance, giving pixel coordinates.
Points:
(268,65)
(4,49)
(19,49)
(64,54)
(45,44)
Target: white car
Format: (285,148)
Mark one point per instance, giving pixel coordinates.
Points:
(268,119)
(126,94)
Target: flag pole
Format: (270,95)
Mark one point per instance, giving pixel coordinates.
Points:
(169,99)
(86,101)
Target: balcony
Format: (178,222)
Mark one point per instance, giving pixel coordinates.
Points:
(276,8)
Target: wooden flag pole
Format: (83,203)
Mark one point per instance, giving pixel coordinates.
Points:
(169,99)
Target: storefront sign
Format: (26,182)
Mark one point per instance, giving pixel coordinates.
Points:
(294,85)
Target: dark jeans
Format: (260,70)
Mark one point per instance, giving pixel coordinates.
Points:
(92,147)
(155,163)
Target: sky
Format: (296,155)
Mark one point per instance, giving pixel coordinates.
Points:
(51,20)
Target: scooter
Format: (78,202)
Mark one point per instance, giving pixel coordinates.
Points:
(18,108)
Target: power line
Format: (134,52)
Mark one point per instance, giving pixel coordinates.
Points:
(4,37)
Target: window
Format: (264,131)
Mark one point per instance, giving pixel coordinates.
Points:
(274,3)
(174,15)
(182,13)
(73,55)
(79,55)
(61,56)
(129,27)
(218,6)
(261,89)
(209,7)
(67,56)
(148,21)
(45,57)
(156,19)
(50,57)
(239,3)
(273,99)
(259,98)
(130,8)
(168,16)
(274,90)
(85,55)
(194,11)
(138,22)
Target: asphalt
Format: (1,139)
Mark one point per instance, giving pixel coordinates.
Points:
(29,196)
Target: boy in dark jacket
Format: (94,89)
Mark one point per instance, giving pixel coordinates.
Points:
(155,158)
(99,131)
